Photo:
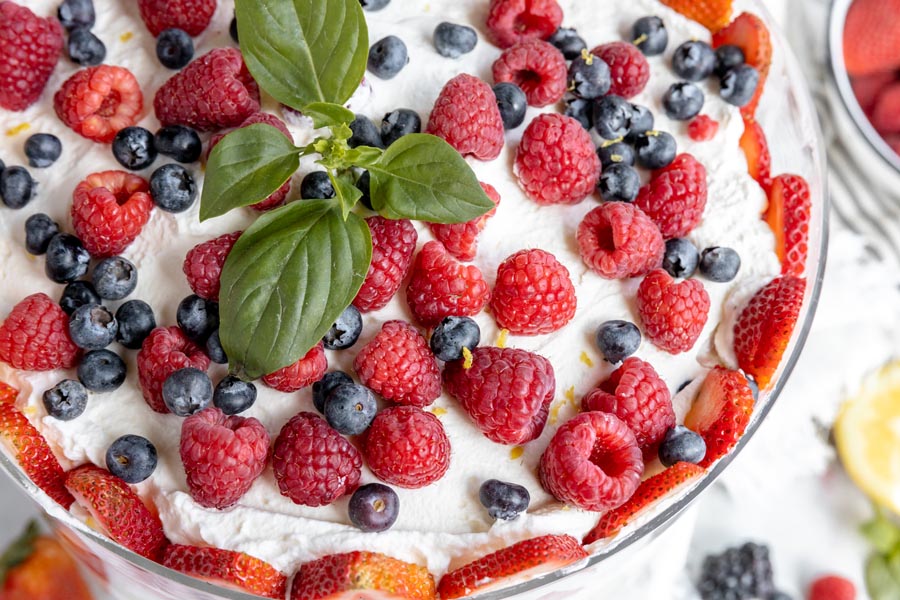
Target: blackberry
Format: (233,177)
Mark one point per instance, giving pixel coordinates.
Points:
(737,574)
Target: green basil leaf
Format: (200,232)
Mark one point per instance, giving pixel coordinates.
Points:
(304,51)
(422,177)
(880,582)
(245,167)
(346,191)
(881,533)
(287,279)
(364,156)
(326,114)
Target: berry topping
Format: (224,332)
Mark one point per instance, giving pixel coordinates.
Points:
(178,143)
(361,575)
(323,387)
(721,412)
(174,48)
(309,369)
(642,121)
(203,264)
(399,123)
(536,67)
(316,185)
(67,259)
(165,351)
(75,14)
(870,37)
(17,187)
(617,340)
(102,371)
(452,335)
(612,116)
(727,58)
(680,444)
(440,286)
(567,41)
(39,230)
(387,57)
(187,391)
(85,48)
(66,400)
(233,396)
(744,572)
(672,314)
(133,148)
(350,408)
(788,214)
(618,240)
(92,327)
(675,197)
(372,5)
(832,587)
(504,501)
(214,349)
(713,14)
(29,50)
(373,507)
(109,210)
(173,188)
(589,77)
(42,150)
(114,278)
(756,150)
(461,239)
(197,317)
(452,40)
(233,569)
(131,458)
(136,321)
(78,293)
(629,68)
(365,133)
(738,86)
(407,447)
(649,34)
(683,101)
(748,32)
(720,264)
(98,102)
(681,259)
(345,331)
(35,336)
(466,116)
(512,21)
(193,16)
(615,152)
(702,128)
(694,60)
(619,183)
(580,110)
(393,244)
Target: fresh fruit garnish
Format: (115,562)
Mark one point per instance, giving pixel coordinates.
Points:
(461,239)
(109,211)
(756,150)
(37,567)
(191,16)
(466,116)
(675,197)
(35,336)
(536,67)
(721,412)
(629,68)
(301,374)
(98,102)
(361,575)
(29,49)
(672,313)
(514,21)
(373,507)
(871,43)
(166,350)
(407,447)
(393,245)
(703,128)
(617,240)
(440,287)
(203,264)
(749,33)
(712,14)
(832,587)
(225,567)
(504,500)
(788,214)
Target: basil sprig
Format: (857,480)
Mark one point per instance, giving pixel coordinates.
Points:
(883,565)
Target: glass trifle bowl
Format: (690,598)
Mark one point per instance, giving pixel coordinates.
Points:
(267,525)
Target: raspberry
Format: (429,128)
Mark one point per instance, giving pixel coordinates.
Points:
(617,240)
(98,102)
(703,128)
(537,67)
(832,587)
(222,456)
(166,350)
(29,49)
(203,264)
(399,365)
(442,287)
(675,198)
(506,391)
(393,244)
(213,92)
(514,21)
(407,447)
(673,314)
(593,462)
(302,373)
(466,116)
(628,66)
(35,336)
(533,293)
(461,239)
(556,162)
(109,210)
(313,464)
(192,16)
(637,395)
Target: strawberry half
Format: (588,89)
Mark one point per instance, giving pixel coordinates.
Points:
(224,567)
(524,560)
(788,215)
(343,576)
(721,412)
(756,149)
(712,14)
(750,34)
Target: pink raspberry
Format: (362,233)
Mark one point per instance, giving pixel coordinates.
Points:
(466,116)
(832,587)
(703,128)
(676,196)
(166,350)
(393,244)
(407,447)
(193,16)
(537,67)
(35,336)
(441,286)
(29,50)
(672,314)
(98,102)
(109,211)
(461,239)
(203,264)
(514,21)
(617,240)
(302,373)
(629,68)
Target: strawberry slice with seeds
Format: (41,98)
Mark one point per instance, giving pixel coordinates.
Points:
(225,567)
(8,393)
(788,214)
(756,149)
(362,575)
(712,14)
(750,34)
(721,412)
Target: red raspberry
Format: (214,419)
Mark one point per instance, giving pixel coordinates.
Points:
(461,239)
(637,395)
(703,128)
(35,336)
(393,244)
(593,462)
(407,447)
(466,116)
(313,464)
(673,314)
(556,162)
(166,350)
(399,365)
(628,66)
(222,456)
(675,198)
(29,49)
(441,286)
(98,102)
(537,67)
(193,16)
(302,373)
(109,210)
(506,391)
(203,264)
(617,240)
(514,21)
(832,587)
(533,293)
(214,92)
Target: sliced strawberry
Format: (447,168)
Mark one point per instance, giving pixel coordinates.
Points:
(117,510)
(8,393)
(340,576)
(749,33)
(788,214)
(872,37)
(721,412)
(521,561)
(224,567)
(756,149)
(37,567)
(712,14)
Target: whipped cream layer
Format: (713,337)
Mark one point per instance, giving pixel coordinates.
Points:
(443,525)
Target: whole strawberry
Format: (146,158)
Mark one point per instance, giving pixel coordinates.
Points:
(393,244)
(407,447)
(300,374)
(109,211)
(203,264)
(192,16)
(675,197)
(29,49)
(227,567)
(672,313)
(166,350)
(98,102)
(466,116)
(441,287)
(35,336)
(461,239)
(617,240)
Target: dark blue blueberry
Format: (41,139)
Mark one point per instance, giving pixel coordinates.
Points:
(42,150)
(67,260)
(655,149)
(93,327)
(681,445)
(77,294)
(642,121)
(76,13)
(617,340)
(720,264)
(727,58)
(683,101)
(39,230)
(684,384)
(387,57)
(374,4)
(174,48)
(350,408)
(589,77)
(173,188)
(452,335)
(612,117)
(581,110)
(85,48)
(739,85)
(233,30)
(452,40)
(16,187)
(619,183)
(365,133)
(136,321)
(101,371)
(615,152)
(115,278)
(178,143)
(694,60)
(364,185)
(133,147)
(373,507)
(345,330)
(66,400)
(681,258)
(316,185)
(2,165)
(503,500)
(131,458)
(187,391)
(233,396)
(322,388)
(649,34)
(512,103)
(197,317)
(398,123)
(567,41)
(214,349)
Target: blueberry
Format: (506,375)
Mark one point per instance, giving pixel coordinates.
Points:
(612,117)
(373,507)
(649,34)
(131,458)
(42,150)
(619,183)
(567,41)
(512,103)
(133,147)
(374,4)
(115,278)
(681,258)
(694,60)
(452,335)
(364,184)
(322,388)
(316,185)
(66,400)
(187,391)
(136,321)
(178,143)
(365,133)
(589,76)
(739,85)
(452,40)
(214,349)
(67,260)
(503,500)
(720,264)
(727,58)
(173,188)
(617,340)
(174,48)
(683,101)
(233,396)
(76,13)
(85,48)
(78,293)
(350,408)
(197,317)
(233,30)
(93,327)
(681,445)
(101,371)
(581,111)
(615,152)
(387,57)
(39,230)
(655,149)
(398,123)
(345,330)
(16,187)
(642,121)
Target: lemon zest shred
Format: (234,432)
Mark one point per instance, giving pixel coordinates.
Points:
(516,453)
(18,129)
(468,359)
(501,338)
(586,359)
